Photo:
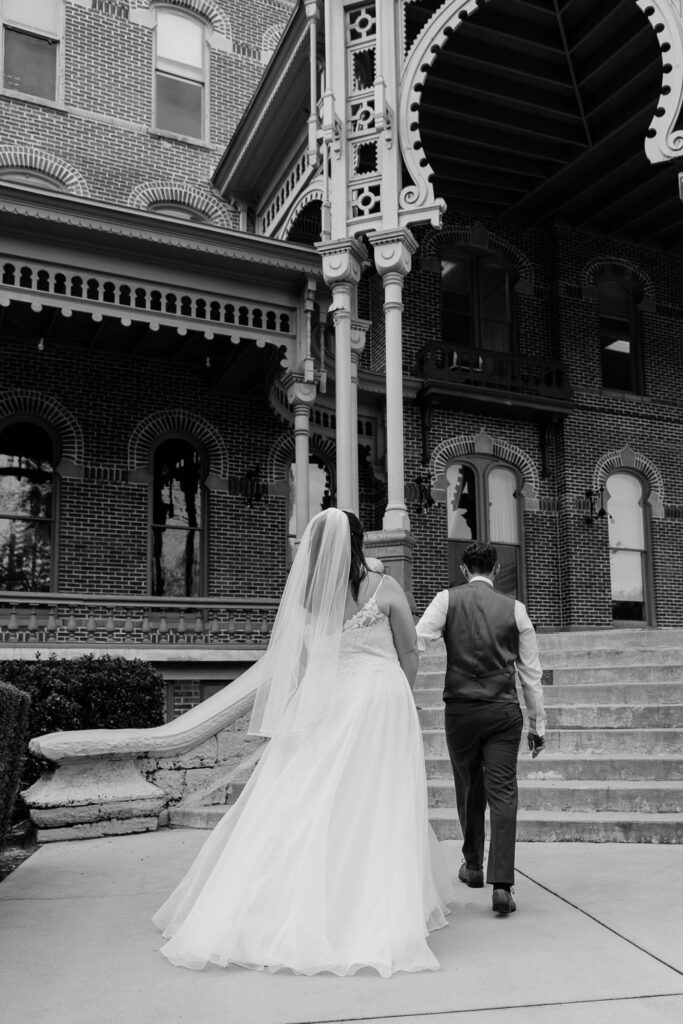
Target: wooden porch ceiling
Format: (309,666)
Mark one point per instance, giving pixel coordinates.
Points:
(227,367)
(536,111)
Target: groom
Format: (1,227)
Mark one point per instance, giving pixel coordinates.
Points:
(488,636)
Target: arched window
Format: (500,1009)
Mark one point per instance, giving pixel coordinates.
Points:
(180,74)
(31,179)
(319,494)
(483,504)
(178,516)
(476,306)
(619,324)
(31,32)
(178,211)
(27,507)
(628,548)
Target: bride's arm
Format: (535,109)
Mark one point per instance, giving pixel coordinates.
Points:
(394,603)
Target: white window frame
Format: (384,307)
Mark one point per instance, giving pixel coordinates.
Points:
(171,67)
(26,26)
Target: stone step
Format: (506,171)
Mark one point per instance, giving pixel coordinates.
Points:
(551,765)
(581,795)
(581,693)
(577,826)
(607,639)
(592,716)
(608,657)
(586,741)
(633,673)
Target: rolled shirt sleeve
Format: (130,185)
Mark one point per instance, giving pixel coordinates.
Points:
(529,670)
(432,623)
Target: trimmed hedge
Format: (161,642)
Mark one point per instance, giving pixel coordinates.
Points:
(85,693)
(14,712)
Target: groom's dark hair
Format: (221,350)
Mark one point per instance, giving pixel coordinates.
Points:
(480,558)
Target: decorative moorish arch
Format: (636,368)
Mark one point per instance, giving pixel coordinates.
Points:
(30,158)
(627,458)
(314,193)
(453,448)
(34,404)
(476,236)
(661,143)
(149,192)
(208,9)
(281,455)
(177,421)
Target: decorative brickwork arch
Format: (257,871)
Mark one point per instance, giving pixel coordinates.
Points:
(270,39)
(626,269)
(483,444)
(282,455)
(42,407)
(208,9)
(149,192)
(30,158)
(477,237)
(627,458)
(177,421)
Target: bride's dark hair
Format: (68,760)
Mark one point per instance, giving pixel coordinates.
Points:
(359,567)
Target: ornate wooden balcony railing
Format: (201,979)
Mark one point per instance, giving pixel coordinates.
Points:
(476,368)
(120,620)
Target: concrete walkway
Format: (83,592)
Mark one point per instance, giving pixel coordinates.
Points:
(597,939)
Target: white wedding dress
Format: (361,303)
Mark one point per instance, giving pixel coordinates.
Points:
(327,861)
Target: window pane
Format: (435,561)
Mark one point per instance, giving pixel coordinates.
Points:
(30,64)
(37,14)
(26,470)
(507,581)
(179,39)
(176,515)
(494,292)
(495,337)
(617,361)
(503,519)
(614,298)
(25,554)
(318,494)
(455,276)
(179,106)
(461,503)
(625,513)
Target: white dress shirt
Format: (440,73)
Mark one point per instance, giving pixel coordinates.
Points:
(431,627)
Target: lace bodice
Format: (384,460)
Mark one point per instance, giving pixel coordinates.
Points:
(368,632)
(368,615)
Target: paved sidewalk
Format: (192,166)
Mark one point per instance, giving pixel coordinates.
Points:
(597,939)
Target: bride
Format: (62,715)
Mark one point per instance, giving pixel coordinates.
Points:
(327,861)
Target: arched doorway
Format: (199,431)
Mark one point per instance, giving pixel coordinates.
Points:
(483,503)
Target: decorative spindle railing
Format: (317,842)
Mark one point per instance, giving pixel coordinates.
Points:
(98,619)
(498,371)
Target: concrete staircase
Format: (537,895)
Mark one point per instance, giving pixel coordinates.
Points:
(612,770)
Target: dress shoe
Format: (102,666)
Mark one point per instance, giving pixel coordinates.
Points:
(503,902)
(474,877)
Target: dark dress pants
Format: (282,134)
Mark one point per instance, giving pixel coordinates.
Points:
(483,742)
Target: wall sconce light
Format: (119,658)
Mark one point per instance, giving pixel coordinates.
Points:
(424,494)
(597,508)
(253,487)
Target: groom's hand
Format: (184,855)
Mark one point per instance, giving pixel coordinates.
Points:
(535,743)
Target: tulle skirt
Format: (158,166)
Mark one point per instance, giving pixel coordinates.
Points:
(327,861)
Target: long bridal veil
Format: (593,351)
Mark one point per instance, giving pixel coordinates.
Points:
(299,667)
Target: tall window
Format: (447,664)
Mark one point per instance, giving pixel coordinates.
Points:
(30,45)
(26,507)
(180,74)
(627,547)
(483,504)
(619,335)
(177,520)
(476,304)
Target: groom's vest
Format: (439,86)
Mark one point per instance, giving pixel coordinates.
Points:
(482,645)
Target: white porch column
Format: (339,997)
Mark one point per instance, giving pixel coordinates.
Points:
(393,252)
(358,331)
(301,396)
(342,263)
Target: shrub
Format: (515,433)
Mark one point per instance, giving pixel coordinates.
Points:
(85,693)
(14,710)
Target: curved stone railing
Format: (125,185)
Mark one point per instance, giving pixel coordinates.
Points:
(113,781)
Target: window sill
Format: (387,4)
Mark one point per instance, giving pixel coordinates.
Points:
(34,101)
(187,139)
(629,396)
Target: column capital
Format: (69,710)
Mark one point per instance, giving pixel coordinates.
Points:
(313,9)
(299,391)
(393,250)
(359,330)
(343,260)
